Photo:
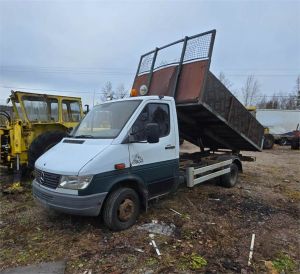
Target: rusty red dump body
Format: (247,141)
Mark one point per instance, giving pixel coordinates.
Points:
(209,115)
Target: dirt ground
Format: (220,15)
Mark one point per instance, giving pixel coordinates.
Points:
(212,234)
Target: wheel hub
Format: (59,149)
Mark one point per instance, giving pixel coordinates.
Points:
(126,209)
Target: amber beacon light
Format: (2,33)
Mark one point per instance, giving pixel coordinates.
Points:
(133,93)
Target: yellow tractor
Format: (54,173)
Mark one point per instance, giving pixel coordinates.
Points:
(38,122)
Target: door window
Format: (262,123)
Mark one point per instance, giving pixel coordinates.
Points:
(152,113)
(54,110)
(71,111)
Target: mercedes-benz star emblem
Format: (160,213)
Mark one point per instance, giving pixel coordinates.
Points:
(42,177)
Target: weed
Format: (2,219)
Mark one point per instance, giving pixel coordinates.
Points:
(294,195)
(284,263)
(197,261)
(130,259)
(151,261)
(193,262)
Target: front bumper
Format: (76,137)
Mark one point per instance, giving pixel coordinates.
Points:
(89,205)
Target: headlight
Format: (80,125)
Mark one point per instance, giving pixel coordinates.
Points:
(75,182)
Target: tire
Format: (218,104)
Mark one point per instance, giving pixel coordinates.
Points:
(41,144)
(283,141)
(230,179)
(115,213)
(268,141)
(295,143)
(181,141)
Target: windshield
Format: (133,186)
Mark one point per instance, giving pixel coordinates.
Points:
(41,109)
(106,120)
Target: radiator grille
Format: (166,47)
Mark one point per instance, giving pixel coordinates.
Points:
(47,179)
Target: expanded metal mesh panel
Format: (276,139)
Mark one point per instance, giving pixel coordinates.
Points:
(146,63)
(198,48)
(168,56)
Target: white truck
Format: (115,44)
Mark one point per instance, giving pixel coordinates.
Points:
(126,152)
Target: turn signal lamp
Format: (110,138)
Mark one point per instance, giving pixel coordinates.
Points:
(133,92)
(120,166)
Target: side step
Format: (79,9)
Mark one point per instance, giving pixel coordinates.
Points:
(193,179)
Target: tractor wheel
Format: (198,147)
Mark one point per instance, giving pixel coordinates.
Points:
(41,144)
(268,141)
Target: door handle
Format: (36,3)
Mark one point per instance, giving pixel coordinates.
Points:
(169,147)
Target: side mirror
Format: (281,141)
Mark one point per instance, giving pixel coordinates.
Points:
(87,109)
(152,133)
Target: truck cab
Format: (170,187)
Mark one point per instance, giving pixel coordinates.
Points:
(122,154)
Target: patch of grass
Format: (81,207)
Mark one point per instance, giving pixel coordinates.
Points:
(197,262)
(193,262)
(294,195)
(185,216)
(151,261)
(284,263)
(23,257)
(130,259)
(78,263)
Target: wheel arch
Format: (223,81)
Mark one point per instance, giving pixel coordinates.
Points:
(133,182)
(238,162)
(235,159)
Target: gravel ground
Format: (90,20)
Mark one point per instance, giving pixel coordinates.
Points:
(212,234)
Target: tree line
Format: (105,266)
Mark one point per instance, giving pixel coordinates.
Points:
(251,94)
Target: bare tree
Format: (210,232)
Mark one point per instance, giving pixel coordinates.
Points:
(250,91)
(262,103)
(227,83)
(224,80)
(282,100)
(107,92)
(278,101)
(120,92)
(297,90)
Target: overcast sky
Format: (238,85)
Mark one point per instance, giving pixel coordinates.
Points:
(74,47)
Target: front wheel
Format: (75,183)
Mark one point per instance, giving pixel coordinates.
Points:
(230,179)
(121,209)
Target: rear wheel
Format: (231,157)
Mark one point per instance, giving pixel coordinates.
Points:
(268,141)
(295,143)
(181,141)
(283,142)
(230,179)
(41,144)
(121,209)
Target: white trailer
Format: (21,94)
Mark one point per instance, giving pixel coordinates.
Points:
(280,123)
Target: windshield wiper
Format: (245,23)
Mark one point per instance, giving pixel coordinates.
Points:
(84,136)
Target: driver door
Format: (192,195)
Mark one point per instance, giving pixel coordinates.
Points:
(155,163)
